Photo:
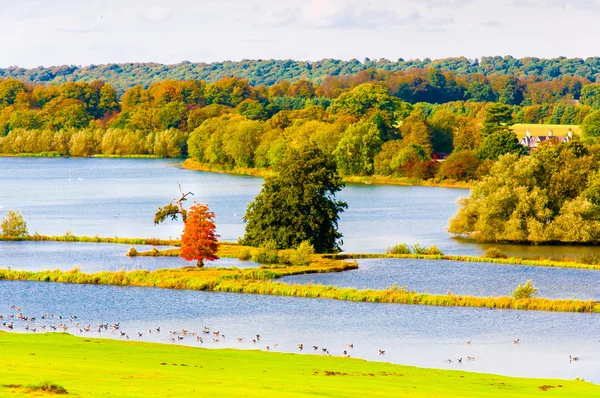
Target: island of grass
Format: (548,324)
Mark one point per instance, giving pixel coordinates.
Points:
(61,364)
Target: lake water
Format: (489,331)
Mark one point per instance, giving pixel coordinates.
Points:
(118,197)
(93,257)
(414,335)
(476,279)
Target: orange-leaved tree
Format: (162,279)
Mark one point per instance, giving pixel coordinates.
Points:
(199,240)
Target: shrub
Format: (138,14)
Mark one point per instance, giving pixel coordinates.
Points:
(494,252)
(14,224)
(524,291)
(434,251)
(401,248)
(245,255)
(267,254)
(50,388)
(418,249)
(302,255)
(589,258)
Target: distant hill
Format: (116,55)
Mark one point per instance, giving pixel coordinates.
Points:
(269,72)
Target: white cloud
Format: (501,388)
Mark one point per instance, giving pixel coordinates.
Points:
(156,14)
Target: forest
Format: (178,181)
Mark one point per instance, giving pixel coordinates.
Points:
(385,123)
(269,72)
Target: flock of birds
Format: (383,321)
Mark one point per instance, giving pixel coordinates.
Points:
(58,323)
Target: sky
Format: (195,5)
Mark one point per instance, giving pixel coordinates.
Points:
(84,32)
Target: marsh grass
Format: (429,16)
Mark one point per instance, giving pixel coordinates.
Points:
(263,281)
(69,237)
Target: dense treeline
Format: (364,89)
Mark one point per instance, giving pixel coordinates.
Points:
(551,196)
(269,72)
(383,123)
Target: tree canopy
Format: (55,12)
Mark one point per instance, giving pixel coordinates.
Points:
(298,204)
(551,196)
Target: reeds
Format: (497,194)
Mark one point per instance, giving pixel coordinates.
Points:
(261,281)
(68,237)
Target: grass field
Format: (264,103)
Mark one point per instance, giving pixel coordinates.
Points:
(542,129)
(98,368)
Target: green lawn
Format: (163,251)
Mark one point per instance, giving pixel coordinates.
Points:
(97,367)
(542,129)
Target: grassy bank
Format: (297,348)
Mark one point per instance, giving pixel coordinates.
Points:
(191,164)
(262,281)
(92,239)
(99,367)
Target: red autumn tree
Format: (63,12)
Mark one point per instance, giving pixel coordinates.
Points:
(199,239)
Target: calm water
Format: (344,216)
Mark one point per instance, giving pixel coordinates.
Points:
(118,197)
(477,279)
(415,335)
(92,257)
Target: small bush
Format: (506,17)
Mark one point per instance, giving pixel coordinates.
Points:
(245,255)
(494,252)
(14,225)
(418,249)
(267,254)
(401,248)
(524,291)
(589,258)
(434,251)
(303,254)
(50,388)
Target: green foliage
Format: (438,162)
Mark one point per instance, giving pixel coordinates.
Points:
(267,253)
(171,211)
(302,255)
(591,125)
(547,197)
(245,255)
(525,291)
(498,143)
(357,148)
(401,248)
(498,117)
(589,258)
(13,224)
(298,204)
(590,95)
(494,252)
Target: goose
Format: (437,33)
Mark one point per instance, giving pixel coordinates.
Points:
(275,345)
(459,360)
(516,341)
(240,339)
(381,352)
(467,341)
(350,345)
(267,348)
(324,350)
(448,360)
(300,347)
(470,358)
(571,358)
(198,338)
(215,340)
(139,334)
(345,352)
(180,338)
(315,348)
(172,340)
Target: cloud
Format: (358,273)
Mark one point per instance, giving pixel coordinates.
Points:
(564,4)
(442,3)
(156,14)
(93,29)
(338,14)
(493,24)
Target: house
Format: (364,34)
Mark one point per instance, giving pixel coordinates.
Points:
(531,142)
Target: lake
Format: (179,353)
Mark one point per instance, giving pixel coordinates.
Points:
(118,197)
(414,335)
(463,278)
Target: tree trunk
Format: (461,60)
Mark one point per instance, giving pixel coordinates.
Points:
(200,263)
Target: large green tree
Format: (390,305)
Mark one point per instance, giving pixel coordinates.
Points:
(298,204)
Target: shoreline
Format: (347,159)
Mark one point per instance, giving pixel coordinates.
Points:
(190,164)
